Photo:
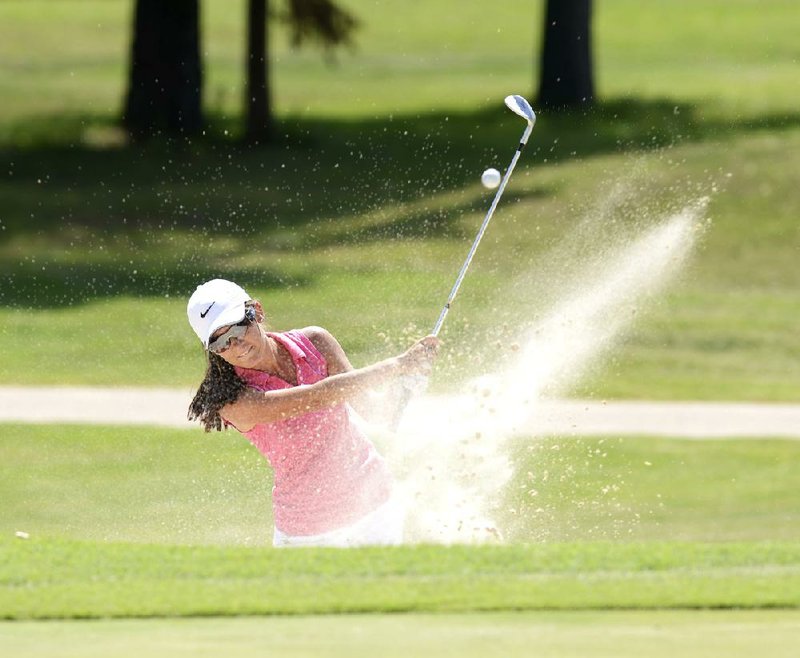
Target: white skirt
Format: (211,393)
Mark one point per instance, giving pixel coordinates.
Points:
(382,527)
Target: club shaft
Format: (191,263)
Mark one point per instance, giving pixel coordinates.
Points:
(482,230)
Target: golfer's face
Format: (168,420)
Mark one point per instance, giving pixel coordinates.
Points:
(242,349)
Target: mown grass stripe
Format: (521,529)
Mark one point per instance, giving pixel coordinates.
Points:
(56,579)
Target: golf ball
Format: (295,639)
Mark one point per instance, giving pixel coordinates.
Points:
(490,178)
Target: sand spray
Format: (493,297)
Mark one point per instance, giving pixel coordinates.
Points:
(453,453)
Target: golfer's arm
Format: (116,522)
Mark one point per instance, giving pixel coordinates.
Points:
(254,407)
(367,402)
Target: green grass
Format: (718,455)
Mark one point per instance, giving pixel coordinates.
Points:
(739,62)
(614,634)
(59,579)
(359,218)
(147,522)
(724,331)
(644,488)
(152,522)
(186,487)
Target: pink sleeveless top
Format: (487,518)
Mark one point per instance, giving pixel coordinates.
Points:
(327,473)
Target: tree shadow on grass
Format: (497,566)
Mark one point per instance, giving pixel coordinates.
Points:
(415,223)
(325,182)
(60,285)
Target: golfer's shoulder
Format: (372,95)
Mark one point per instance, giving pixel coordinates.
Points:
(320,337)
(329,348)
(315,333)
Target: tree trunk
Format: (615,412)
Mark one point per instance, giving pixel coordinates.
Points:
(566,71)
(165,80)
(259,122)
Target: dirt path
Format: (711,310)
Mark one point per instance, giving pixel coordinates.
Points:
(167,407)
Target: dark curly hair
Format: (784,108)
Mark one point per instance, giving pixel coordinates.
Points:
(220,386)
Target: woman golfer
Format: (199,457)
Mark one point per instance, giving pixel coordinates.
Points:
(288,393)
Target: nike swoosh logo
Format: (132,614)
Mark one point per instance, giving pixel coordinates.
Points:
(205,313)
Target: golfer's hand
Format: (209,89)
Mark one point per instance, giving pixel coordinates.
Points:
(418,359)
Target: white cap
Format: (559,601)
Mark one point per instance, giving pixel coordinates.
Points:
(215,304)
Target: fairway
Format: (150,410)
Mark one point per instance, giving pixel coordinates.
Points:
(646,249)
(168,486)
(617,634)
(154,522)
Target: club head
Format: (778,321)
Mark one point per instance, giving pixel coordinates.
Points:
(518,105)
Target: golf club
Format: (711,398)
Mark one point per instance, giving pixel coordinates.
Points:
(518,105)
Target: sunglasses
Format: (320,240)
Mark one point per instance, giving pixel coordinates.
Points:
(223,341)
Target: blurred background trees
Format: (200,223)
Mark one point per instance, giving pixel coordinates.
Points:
(320,21)
(165,85)
(165,82)
(165,77)
(566,72)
